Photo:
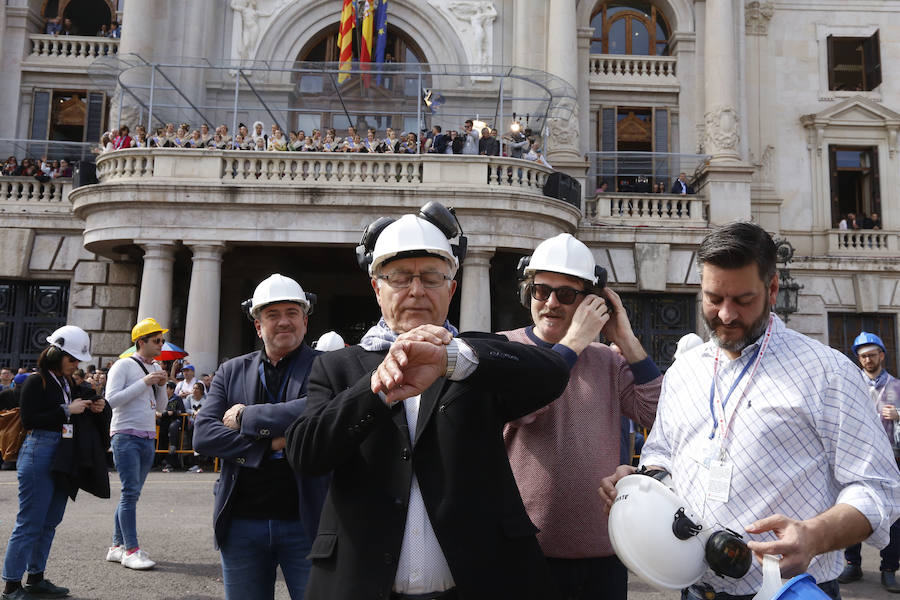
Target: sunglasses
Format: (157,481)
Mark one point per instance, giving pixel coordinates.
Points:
(158,340)
(564,294)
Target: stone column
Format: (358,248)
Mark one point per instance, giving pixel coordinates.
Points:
(727,183)
(722,135)
(562,61)
(138,38)
(156,282)
(201,332)
(475,303)
(584,87)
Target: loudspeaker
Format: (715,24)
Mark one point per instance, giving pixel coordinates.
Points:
(85,173)
(563,187)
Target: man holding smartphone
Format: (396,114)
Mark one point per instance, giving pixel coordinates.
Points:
(136,392)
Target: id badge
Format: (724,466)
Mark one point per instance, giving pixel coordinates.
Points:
(68,431)
(718,488)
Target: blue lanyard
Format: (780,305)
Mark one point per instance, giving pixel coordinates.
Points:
(284,380)
(712,390)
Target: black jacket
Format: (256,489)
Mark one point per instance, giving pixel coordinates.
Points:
(459,460)
(80,461)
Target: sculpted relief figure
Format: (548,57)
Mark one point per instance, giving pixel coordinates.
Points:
(563,129)
(480,18)
(250,17)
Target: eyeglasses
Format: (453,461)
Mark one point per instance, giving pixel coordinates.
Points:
(158,340)
(565,294)
(869,356)
(399,280)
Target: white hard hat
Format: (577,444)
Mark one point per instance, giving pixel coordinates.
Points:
(414,235)
(687,341)
(563,254)
(329,341)
(640,529)
(73,341)
(278,288)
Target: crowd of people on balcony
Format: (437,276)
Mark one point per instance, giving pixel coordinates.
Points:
(63,26)
(852,221)
(468,140)
(41,169)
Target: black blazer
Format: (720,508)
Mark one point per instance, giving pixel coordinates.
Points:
(459,460)
(80,461)
(676,187)
(237,382)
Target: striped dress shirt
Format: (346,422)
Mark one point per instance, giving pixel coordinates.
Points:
(801,437)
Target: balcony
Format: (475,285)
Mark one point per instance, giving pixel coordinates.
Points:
(864,243)
(27,194)
(633,73)
(647,210)
(309,197)
(67,51)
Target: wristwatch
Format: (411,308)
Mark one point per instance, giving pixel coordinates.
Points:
(452,355)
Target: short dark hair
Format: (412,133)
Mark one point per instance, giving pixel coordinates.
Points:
(738,244)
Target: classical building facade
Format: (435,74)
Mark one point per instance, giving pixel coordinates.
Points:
(783,112)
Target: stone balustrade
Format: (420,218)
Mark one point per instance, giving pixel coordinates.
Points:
(863,242)
(22,191)
(620,69)
(232,167)
(647,209)
(66,48)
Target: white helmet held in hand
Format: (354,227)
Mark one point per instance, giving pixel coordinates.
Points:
(278,288)
(329,341)
(73,341)
(657,535)
(567,255)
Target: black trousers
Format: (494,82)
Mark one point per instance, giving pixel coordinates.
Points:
(604,578)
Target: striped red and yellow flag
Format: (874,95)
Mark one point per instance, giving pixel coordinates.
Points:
(365,50)
(345,39)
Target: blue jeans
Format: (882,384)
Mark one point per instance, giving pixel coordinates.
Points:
(252,550)
(41,506)
(133,457)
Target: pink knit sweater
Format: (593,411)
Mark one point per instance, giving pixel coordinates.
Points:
(560,456)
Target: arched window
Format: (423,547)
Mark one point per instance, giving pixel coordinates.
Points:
(388,102)
(87,15)
(634,28)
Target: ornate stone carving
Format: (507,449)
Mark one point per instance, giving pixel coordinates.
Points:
(763,172)
(246,37)
(722,134)
(476,26)
(562,131)
(757,16)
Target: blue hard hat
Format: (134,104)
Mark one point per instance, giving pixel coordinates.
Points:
(866,339)
(20,378)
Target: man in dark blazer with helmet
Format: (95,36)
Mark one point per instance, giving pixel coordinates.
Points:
(423,503)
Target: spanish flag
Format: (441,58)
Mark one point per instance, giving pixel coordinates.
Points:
(345,39)
(365,50)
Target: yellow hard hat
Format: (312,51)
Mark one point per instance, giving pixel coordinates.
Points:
(146,327)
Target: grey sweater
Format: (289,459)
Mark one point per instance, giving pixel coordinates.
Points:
(134,403)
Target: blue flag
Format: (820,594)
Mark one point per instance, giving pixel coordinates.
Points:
(381,7)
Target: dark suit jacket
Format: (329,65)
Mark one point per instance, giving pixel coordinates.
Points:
(237,382)
(459,460)
(676,187)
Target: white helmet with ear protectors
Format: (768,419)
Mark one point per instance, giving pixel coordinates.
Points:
(658,536)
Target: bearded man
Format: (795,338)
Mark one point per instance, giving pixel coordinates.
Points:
(768,432)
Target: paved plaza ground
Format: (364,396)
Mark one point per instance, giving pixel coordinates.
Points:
(175,528)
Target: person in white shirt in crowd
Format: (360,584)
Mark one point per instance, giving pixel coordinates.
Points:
(136,391)
(768,432)
(184,387)
(471,143)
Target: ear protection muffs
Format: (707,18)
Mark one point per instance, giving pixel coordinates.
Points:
(248,303)
(437,214)
(367,243)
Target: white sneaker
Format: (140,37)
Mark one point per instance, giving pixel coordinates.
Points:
(137,560)
(115,554)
